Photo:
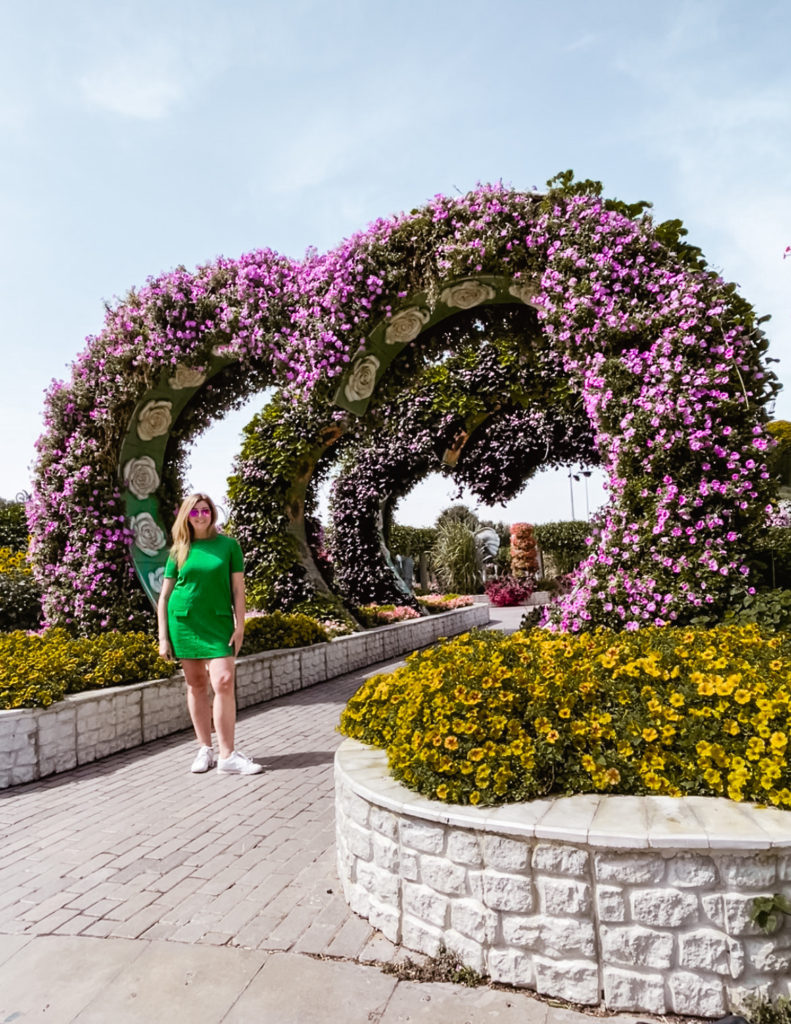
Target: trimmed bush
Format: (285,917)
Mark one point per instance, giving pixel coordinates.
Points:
(13,525)
(411,541)
(280,630)
(38,669)
(487,718)
(564,542)
(20,597)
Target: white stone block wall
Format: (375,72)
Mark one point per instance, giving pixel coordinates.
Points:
(658,928)
(35,742)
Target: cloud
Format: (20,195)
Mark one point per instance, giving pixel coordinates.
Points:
(147,85)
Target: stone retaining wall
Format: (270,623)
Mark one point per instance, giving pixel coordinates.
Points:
(632,903)
(35,742)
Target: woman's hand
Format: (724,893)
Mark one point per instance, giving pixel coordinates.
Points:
(166,650)
(237,638)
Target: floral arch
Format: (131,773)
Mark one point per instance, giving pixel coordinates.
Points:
(666,361)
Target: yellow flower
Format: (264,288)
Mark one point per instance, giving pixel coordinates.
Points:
(442,791)
(778,740)
(742,696)
(475,797)
(552,736)
(451,743)
(476,754)
(649,735)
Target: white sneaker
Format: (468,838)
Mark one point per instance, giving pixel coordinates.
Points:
(238,764)
(204,760)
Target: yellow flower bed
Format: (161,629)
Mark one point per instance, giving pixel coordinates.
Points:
(487,718)
(38,669)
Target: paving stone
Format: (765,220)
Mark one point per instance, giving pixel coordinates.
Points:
(291,988)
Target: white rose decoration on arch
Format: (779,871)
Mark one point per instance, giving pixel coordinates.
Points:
(525,291)
(155,579)
(362,380)
(186,377)
(141,477)
(148,536)
(406,325)
(154,419)
(467,294)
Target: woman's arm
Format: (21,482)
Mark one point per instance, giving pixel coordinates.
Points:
(237,593)
(165,647)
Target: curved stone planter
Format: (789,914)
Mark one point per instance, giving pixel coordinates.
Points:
(632,903)
(84,727)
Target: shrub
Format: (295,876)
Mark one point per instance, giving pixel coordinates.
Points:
(38,669)
(280,630)
(769,1011)
(524,556)
(411,541)
(487,718)
(772,552)
(384,614)
(20,597)
(768,608)
(508,591)
(455,558)
(13,525)
(564,542)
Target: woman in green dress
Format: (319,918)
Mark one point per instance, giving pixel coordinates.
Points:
(201,622)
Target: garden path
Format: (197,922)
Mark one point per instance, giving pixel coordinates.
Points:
(131,890)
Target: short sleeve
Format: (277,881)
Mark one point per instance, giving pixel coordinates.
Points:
(171,572)
(237,558)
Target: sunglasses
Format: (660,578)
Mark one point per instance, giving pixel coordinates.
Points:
(195,512)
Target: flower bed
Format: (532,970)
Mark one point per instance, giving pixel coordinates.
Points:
(489,719)
(83,727)
(631,903)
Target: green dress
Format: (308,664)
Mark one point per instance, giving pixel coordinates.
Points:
(200,608)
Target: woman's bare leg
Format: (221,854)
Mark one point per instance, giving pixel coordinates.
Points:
(221,673)
(198,698)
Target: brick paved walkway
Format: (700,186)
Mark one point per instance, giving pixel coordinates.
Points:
(135,846)
(216,896)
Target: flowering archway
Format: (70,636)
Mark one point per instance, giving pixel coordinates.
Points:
(665,357)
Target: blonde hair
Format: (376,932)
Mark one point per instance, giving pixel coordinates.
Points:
(182,532)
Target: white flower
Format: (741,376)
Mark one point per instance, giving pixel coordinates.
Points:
(148,536)
(360,384)
(467,294)
(525,291)
(154,420)
(156,578)
(141,477)
(406,325)
(186,377)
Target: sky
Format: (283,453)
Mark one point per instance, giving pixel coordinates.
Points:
(136,137)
